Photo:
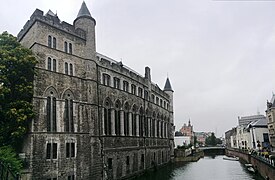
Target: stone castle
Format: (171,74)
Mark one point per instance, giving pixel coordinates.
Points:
(95,117)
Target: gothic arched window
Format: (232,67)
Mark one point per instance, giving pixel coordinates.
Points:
(107,117)
(69,111)
(117,118)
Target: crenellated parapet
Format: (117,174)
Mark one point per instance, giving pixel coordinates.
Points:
(51,20)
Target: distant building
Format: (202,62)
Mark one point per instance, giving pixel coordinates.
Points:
(245,120)
(182,141)
(270,114)
(258,134)
(201,137)
(187,130)
(230,138)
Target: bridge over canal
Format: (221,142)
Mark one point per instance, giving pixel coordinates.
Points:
(215,150)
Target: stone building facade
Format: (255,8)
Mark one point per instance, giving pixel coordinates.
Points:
(270,115)
(95,117)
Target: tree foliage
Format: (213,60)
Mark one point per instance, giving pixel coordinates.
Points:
(211,140)
(16,90)
(9,157)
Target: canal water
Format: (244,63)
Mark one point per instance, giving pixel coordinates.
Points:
(207,168)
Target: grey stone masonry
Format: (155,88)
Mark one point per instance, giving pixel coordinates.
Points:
(95,118)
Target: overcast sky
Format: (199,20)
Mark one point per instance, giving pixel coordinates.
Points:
(219,55)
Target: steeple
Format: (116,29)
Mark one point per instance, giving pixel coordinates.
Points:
(168,86)
(84,11)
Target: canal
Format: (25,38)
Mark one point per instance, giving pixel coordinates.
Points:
(207,168)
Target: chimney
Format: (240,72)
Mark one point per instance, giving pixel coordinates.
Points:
(147,73)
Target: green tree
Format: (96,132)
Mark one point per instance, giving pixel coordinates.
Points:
(9,157)
(211,140)
(16,90)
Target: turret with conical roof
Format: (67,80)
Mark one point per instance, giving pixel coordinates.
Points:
(168,86)
(86,22)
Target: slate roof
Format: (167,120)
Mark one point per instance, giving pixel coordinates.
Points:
(167,86)
(84,11)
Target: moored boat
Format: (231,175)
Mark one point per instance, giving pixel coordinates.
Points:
(231,158)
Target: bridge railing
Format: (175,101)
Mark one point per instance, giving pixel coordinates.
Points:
(6,173)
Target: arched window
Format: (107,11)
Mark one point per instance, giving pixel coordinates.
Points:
(146,120)
(117,118)
(107,117)
(54,42)
(66,68)
(70,48)
(51,109)
(141,122)
(49,41)
(49,63)
(153,98)
(126,119)
(158,124)
(65,47)
(154,125)
(69,111)
(134,125)
(71,69)
(54,65)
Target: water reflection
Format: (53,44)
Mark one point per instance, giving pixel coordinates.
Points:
(207,168)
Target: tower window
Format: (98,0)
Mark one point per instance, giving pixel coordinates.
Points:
(66,68)
(66,47)
(54,42)
(49,41)
(70,48)
(71,69)
(49,63)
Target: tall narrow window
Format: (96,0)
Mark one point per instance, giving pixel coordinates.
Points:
(51,151)
(153,98)
(157,100)
(54,42)
(140,92)
(49,41)
(70,150)
(66,68)
(71,69)
(146,96)
(153,127)
(107,118)
(160,102)
(71,177)
(49,63)
(117,118)
(69,123)
(51,114)
(133,89)
(126,119)
(110,163)
(54,65)
(125,86)
(134,126)
(66,47)
(70,48)
(141,123)
(116,83)
(106,79)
